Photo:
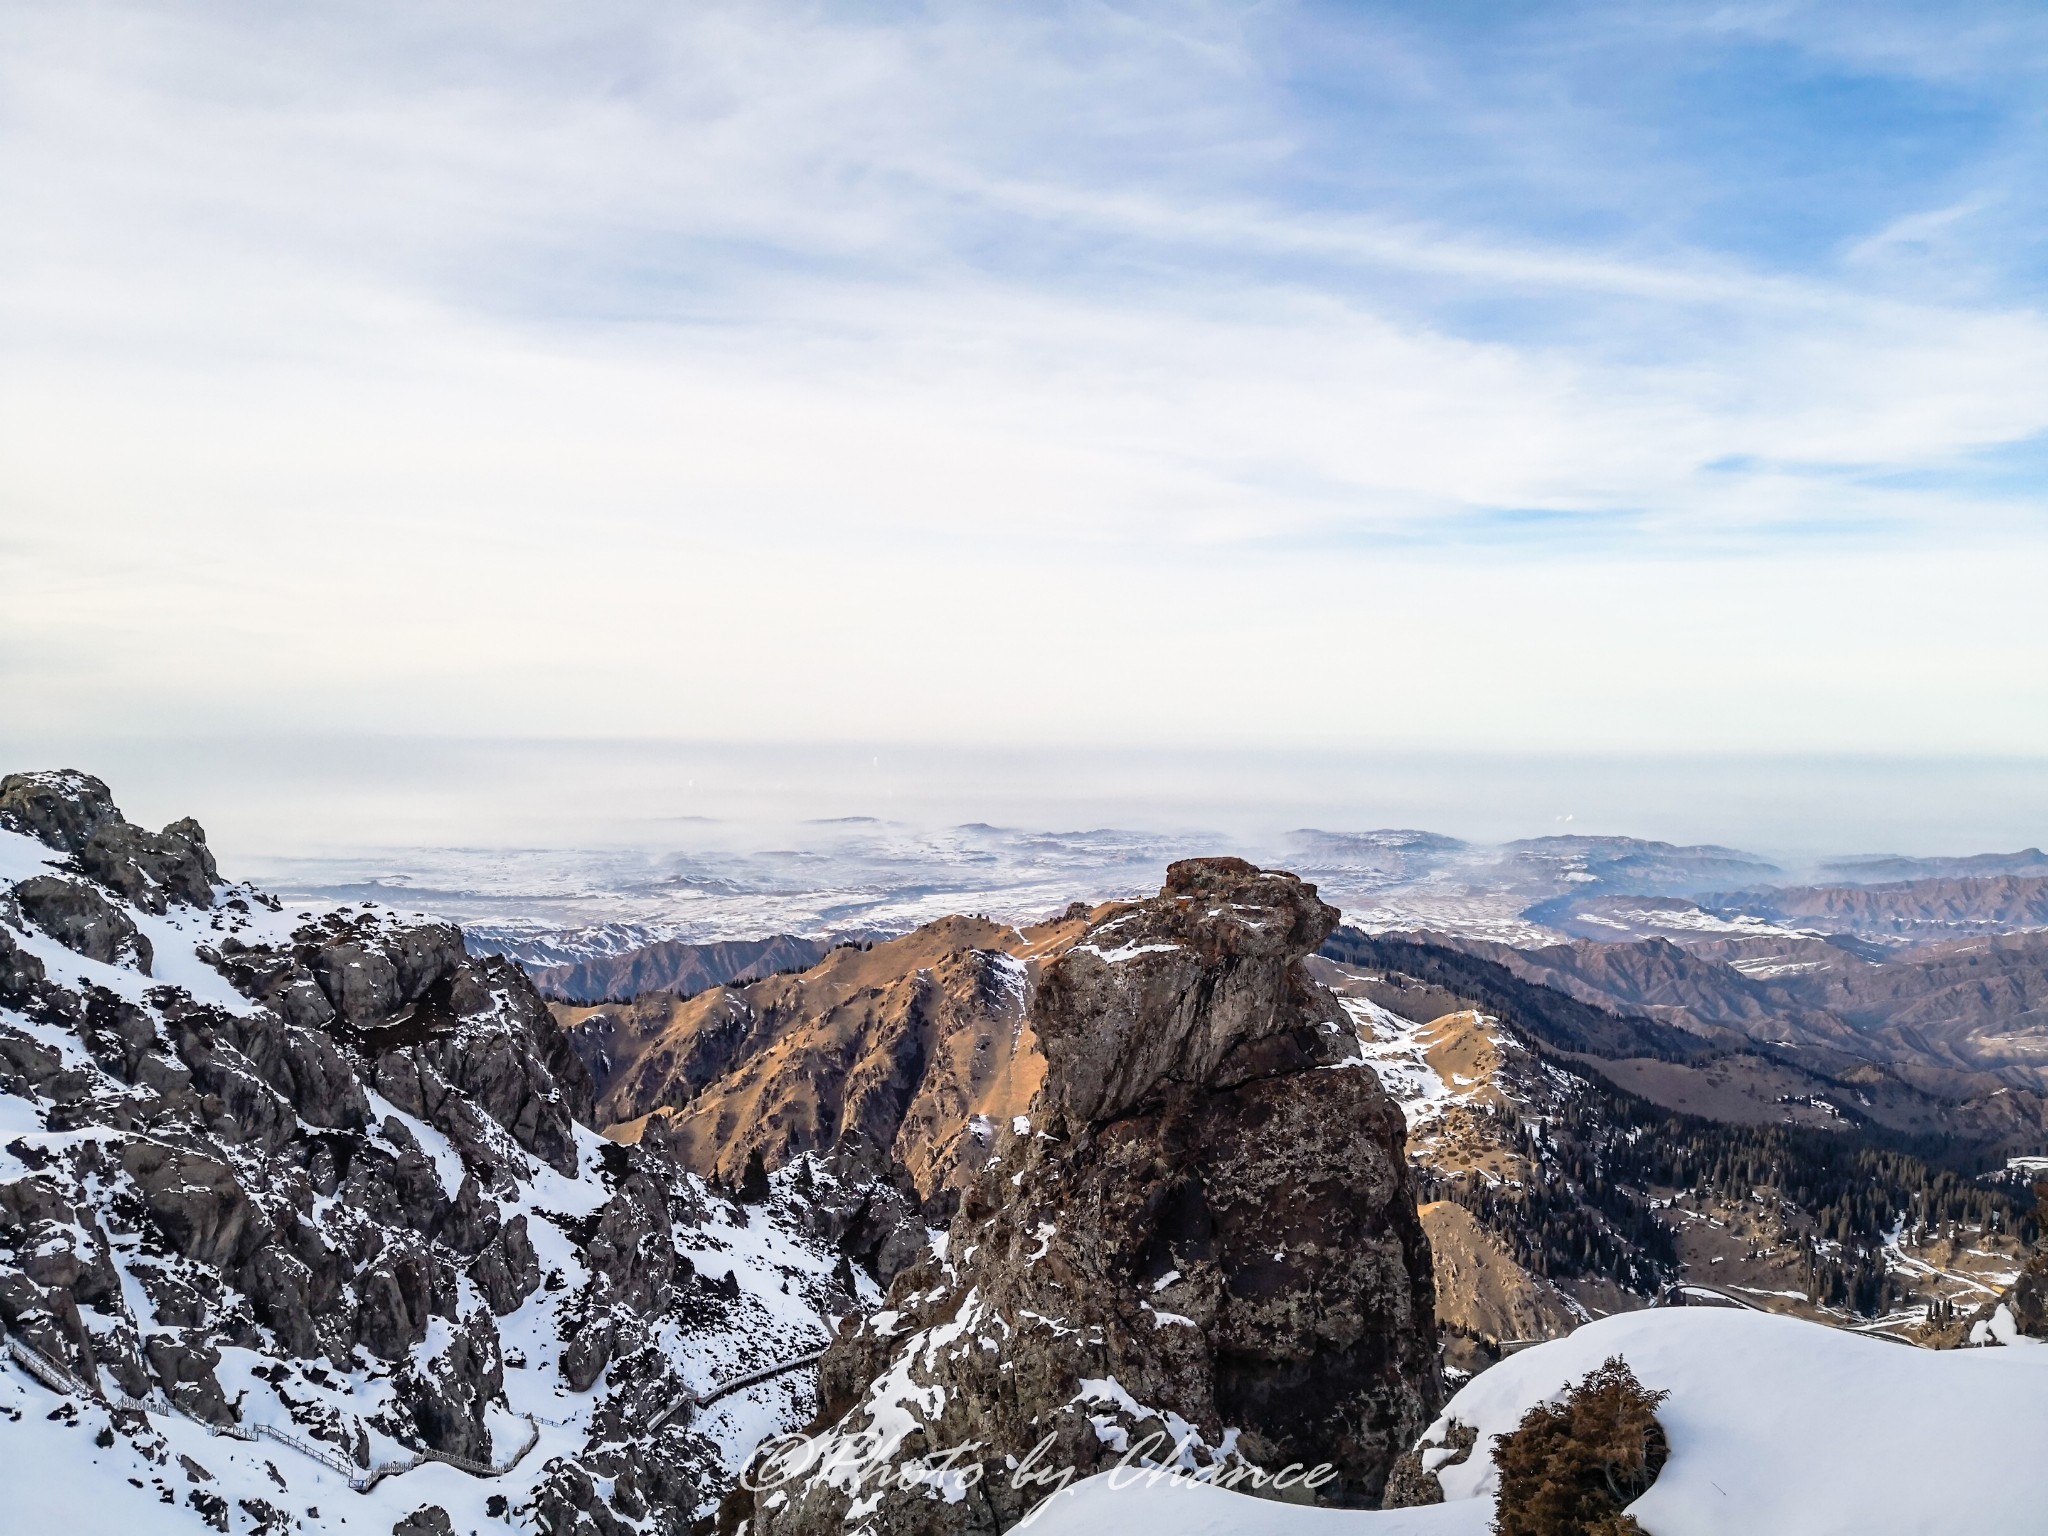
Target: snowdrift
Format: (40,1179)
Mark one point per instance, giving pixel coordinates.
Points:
(1776,1426)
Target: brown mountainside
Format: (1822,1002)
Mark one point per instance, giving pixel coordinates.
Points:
(1963,1018)
(1481,1290)
(919,1046)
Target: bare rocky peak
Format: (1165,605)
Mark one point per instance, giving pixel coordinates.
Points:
(75,812)
(1205,1229)
(1168,989)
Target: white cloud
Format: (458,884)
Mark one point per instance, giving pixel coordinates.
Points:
(746,372)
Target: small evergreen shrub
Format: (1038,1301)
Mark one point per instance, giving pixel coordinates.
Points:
(1570,1468)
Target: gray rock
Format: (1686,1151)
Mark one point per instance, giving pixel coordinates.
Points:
(74,813)
(449,1398)
(153,869)
(255,1202)
(2028,1295)
(84,921)
(61,808)
(21,974)
(184,1366)
(397,1296)
(867,1207)
(508,1270)
(1210,1219)
(118,1033)
(1165,990)
(196,1202)
(279,1286)
(585,1356)
(427,1520)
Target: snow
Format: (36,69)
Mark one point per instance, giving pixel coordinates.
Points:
(23,858)
(89,1489)
(1123,952)
(1125,1504)
(1397,1050)
(83,1489)
(2001,1328)
(137,1484)
(176,935)
(1776,1425)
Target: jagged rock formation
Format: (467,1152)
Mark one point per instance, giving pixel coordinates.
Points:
(922,1047)
(1205,1230)
(75,812)
(334,1178)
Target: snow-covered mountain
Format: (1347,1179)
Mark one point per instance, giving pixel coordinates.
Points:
(303,1225)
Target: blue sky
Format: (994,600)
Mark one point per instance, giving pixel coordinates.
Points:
(1362,377)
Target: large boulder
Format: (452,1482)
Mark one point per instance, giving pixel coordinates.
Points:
(84,921)
(1201,1246)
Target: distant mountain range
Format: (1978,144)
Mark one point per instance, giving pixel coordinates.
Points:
(673,966)
(1964,1018)
(1883,867)
(869,879)
(1929,910)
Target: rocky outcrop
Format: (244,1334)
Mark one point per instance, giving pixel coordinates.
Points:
(2027,1297)
(75,812)
(1201,1247)
(357,1153)
(461,1042)
(84,921)
(60,809)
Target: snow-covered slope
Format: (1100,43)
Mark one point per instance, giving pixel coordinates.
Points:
(302,1226)
(1777,1428)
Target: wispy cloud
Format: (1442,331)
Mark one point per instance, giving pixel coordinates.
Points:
(597,361)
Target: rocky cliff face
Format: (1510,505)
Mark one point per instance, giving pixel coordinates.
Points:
(328,1178)
(1204,1233)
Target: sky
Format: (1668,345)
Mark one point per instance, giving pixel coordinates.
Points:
(1359,382)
